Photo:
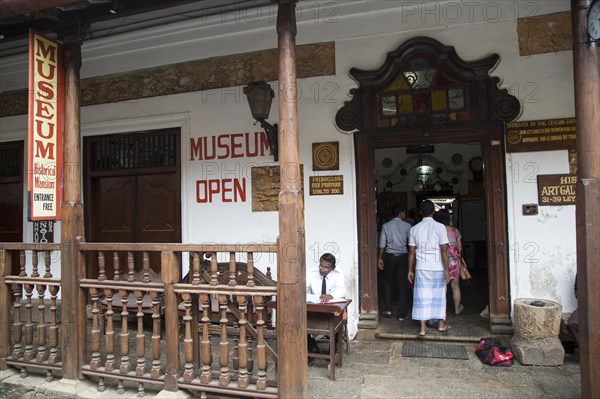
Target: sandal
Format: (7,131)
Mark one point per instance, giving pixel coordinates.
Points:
(422,335)
(387,314)
(460,310)
(445,329)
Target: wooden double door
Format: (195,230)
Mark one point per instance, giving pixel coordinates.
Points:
(133,190)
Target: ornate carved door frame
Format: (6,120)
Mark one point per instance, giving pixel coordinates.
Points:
(425,94)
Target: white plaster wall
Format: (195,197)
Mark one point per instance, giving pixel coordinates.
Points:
(542,248)
(364,32)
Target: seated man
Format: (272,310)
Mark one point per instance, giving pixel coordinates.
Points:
(573,322)
(324,284)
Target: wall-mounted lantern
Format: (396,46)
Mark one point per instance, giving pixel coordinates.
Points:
(260,95)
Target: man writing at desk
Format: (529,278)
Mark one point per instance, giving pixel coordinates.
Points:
(324,284)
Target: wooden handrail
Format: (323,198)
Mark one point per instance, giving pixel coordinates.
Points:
(175,247)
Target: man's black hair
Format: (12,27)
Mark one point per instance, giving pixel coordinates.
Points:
(397,209)
(427,208)
(442,216)
(327,257)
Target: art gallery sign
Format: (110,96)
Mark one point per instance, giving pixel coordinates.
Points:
(46,113)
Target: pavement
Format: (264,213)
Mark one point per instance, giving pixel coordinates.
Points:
(373,369)
(377,370)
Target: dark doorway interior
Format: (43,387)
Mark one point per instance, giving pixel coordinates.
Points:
(133,189)
(449,175)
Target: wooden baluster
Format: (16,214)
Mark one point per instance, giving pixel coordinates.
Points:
(206,355)
(29,354)
(95,362)
(250,270)
(224,377)
(130,267)
(116,267)
(109,333)
(243,379)
(42,352)
(141,391)
(188,341)
(214,267)
(101,386)
(53,330)
(47,264)
(17,324)
(125,365)
(261,353)
(120,387)
(34,264)
(236,356)
(101,266)
(232,270)
(140,368)
(155,372)
(195,268)
(22,259)
(146,267)
(250,355)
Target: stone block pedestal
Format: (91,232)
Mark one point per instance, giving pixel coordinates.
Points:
(536,329)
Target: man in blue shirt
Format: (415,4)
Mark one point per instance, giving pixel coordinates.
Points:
(393,241)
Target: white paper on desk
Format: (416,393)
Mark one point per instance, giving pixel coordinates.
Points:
(312,298)
(337,300)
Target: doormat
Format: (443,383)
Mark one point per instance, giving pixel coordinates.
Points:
(440,351)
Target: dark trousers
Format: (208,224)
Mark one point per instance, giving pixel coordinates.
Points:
(396,271)
(573,325)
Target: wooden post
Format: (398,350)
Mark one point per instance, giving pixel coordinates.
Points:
(292,368)
(73,306)
(586,67)
(367,250)
(5,305)
(170,277)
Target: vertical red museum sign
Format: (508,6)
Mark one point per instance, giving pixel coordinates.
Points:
(45,146)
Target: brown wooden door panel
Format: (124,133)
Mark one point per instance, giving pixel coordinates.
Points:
(158,208)
(11,209)
(158,211)
(112,216)
(11,195)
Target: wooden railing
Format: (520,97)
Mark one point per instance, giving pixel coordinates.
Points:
(225,342)
(31,339)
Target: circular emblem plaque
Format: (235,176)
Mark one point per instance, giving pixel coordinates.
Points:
(326,156)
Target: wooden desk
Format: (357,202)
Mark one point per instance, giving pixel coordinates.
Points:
(327,319)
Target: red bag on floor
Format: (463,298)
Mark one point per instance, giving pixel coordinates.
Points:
(490,351)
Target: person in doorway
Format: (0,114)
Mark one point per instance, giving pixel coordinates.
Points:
(428,269)
(573,321)
(324,284)
(454,257)
(393,241)
(412,217)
